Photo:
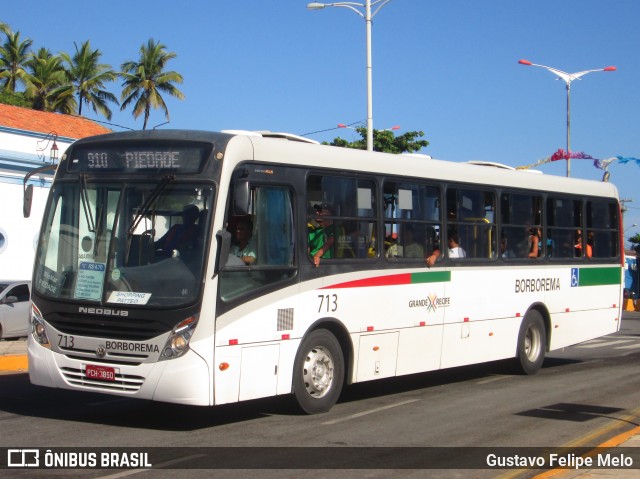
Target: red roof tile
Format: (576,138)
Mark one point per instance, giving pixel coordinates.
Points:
(70,126)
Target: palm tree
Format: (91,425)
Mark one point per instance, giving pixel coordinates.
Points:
(13,56)
(4,28)
(47,85)
(145,80)
(88,78)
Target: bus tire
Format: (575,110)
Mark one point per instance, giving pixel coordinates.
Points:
(532,343)
(318,372)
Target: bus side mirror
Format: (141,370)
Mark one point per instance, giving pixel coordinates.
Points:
(27,200)
(241,197)
(224,248)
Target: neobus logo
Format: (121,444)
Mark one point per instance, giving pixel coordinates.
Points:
(103,311)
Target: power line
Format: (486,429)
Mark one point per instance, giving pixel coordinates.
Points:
(331,129)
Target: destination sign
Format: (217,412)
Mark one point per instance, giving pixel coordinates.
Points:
(130,159)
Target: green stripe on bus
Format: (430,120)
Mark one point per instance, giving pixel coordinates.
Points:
(600,276)
(431,277)
(395,280)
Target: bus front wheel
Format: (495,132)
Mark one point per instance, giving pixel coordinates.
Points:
(532,341)
(318,372)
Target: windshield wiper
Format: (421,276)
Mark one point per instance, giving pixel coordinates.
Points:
(147,204)
(85,204)
(100,215)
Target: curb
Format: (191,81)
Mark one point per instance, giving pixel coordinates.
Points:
(14,363)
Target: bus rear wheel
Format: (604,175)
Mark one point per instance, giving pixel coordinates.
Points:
(318,373)
(532,343)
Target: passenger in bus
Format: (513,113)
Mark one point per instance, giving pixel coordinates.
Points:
(243,248)
(411,248)
(578,246)
(590,241)
(181,235)
(505,252)
(321,234)
(550,247)
(454,249)
(535,246)
(433,257)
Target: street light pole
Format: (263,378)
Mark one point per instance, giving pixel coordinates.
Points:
(567,78)
(368,17)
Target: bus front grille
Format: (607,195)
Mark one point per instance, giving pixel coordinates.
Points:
(107,327)
(123,382)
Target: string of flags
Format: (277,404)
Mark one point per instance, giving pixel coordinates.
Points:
(580,155)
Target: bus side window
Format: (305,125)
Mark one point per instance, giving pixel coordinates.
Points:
(602,228)
(412,219)
(271,243)
(471,220)
(343,222)
(521,216)
(564,219)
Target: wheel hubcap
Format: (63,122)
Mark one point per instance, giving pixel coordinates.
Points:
(318,372)
(532,343)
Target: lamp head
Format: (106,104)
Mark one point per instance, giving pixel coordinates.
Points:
(524,62)
(316,6)
(54,152)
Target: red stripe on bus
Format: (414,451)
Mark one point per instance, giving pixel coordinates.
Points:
(391,280)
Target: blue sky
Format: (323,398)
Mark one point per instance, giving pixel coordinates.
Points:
(448,68)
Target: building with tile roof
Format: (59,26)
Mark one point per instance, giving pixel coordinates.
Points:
(26,136)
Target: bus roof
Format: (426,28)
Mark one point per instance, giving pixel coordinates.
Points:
(302,151)
(420,167)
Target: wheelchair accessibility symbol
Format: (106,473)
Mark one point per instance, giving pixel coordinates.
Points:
(575,277)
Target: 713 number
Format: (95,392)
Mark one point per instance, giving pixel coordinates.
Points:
(328,303)
(65,341)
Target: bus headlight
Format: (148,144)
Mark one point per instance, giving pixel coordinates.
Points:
(38,329)
(178,342)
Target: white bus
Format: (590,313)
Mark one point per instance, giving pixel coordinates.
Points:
(145,284)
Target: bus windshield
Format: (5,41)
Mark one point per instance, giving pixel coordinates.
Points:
(124,243)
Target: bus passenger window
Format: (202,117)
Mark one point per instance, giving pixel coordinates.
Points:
(564,220)
(341,218)
(603,228)
(522,234)
(412,221)
(471,223)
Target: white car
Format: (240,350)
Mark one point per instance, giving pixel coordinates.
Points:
(14,309)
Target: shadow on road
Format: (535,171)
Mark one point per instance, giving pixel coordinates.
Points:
(18,396)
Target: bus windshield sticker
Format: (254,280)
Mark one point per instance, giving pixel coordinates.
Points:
(90,281)
(51,281)
(128,297)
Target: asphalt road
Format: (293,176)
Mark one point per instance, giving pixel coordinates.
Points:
(583,396)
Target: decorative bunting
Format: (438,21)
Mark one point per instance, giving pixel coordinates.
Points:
(580,155)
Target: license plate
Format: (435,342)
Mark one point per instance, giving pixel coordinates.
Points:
(100,373)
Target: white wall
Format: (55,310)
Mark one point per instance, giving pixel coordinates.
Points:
(31,148)
(18,235)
